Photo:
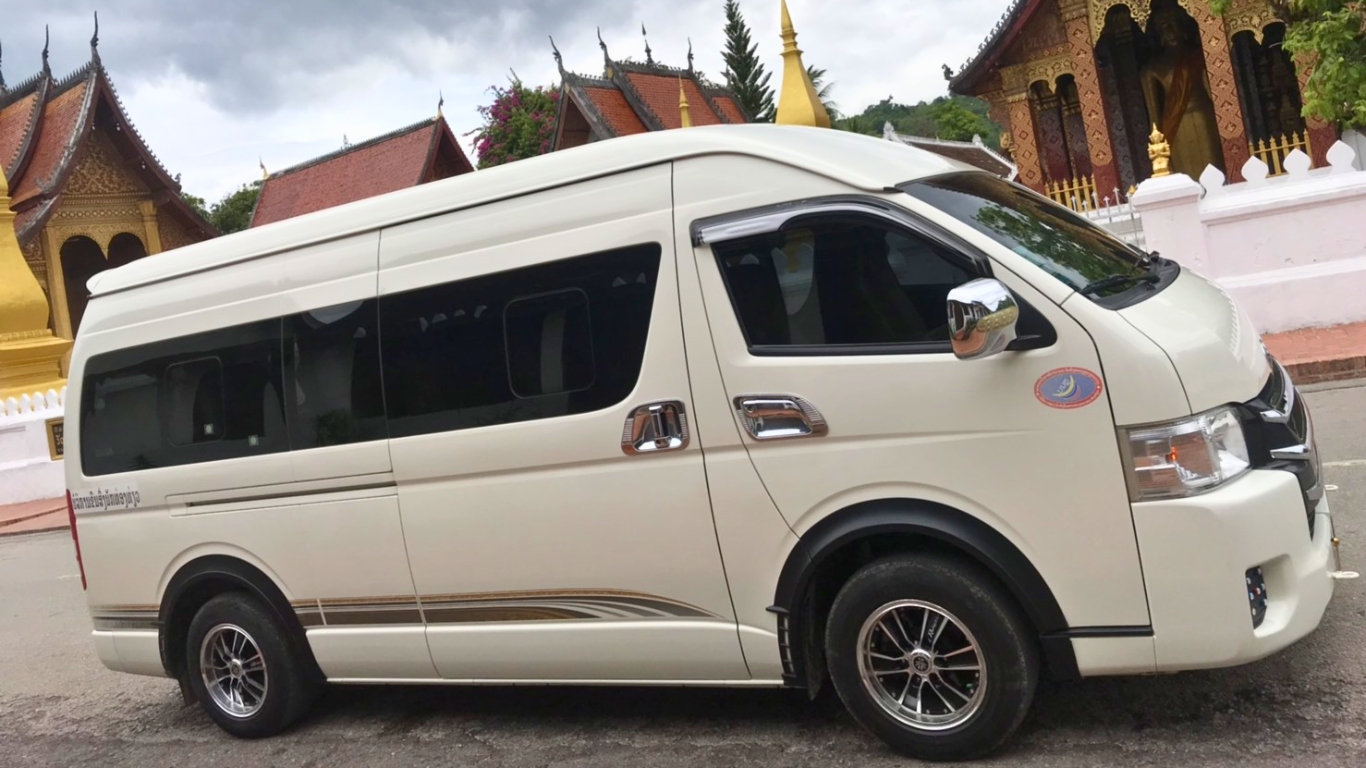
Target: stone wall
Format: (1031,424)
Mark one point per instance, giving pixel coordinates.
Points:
(1291,249)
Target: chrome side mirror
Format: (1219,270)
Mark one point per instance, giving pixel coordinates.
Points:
(982,318)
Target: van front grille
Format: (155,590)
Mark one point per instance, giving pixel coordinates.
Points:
(1280,435)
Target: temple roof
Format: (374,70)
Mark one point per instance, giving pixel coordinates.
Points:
(635,97)
(419,153)
(1006,31)
(46,125)
(974,153)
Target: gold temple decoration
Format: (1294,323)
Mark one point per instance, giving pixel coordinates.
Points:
(1160,152)
(683,115)
(30,356)
(798,104)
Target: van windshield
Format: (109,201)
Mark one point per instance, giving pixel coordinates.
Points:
(1065,245)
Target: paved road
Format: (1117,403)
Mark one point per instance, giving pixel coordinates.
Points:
(1305,706)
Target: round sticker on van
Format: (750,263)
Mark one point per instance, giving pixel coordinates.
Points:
(1068,388)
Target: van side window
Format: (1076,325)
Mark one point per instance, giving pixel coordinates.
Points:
(205,397)
(539,342)
(332,376)
(843,283)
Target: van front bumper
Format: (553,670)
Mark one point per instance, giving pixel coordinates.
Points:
(1197,553)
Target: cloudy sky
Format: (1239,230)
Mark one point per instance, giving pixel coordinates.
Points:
(214,84)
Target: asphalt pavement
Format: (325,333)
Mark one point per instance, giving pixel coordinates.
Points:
(1303,707)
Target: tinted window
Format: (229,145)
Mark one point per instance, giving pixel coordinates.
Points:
(1065,245)
(205,397)
(852,282)
(551,340)
(332,373)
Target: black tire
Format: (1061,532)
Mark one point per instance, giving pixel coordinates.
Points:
(287,689)
(1009,656)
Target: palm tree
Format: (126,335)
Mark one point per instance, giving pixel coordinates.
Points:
(823,91)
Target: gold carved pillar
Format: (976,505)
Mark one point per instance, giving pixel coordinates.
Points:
(1023,141)
(148,209)
(1322,134)
(1228,110)
(1094,117)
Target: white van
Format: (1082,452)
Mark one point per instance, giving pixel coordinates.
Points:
(687,408)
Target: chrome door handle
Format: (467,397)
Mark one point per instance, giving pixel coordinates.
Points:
(656,427)
(776,417)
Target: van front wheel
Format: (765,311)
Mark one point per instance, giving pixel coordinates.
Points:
(931,655)
(241,668)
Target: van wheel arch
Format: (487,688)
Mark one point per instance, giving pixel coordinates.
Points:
(829,554)
(204,578)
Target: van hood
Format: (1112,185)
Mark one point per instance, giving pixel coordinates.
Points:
(1210,340)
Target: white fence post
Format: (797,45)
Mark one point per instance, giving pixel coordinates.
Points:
(1170,207)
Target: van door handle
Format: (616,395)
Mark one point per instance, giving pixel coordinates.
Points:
(654,428)
(778,417)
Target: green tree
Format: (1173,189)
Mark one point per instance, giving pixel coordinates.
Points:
(520,123)
(958,118)
(745,75)
(955,122)
(823,91)
(233,212)
(196,203)
(1332,35)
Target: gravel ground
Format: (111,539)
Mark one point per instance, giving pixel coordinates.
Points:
(1305,706)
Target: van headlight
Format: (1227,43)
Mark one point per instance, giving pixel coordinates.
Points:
(1185,457)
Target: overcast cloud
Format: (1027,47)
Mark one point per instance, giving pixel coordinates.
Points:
(212,86)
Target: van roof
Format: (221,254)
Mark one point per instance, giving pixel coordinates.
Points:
(860,161)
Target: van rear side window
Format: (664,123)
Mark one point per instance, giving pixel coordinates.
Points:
(551,340)
(206,397)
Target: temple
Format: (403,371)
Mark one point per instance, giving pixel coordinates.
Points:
(1079,85)
(85,194)
(418,154)
(633,97)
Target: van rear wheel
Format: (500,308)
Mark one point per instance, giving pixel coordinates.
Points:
(931,655)
(242,669)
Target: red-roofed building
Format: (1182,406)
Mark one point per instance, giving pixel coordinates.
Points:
(86,191)
(418,154)
(631,97)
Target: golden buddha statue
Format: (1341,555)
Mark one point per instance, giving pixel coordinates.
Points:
(1176,87)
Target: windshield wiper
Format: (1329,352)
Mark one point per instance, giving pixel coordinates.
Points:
(1115,281)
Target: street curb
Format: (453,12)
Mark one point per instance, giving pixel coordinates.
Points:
(6,532)
(1329,386)
(1325,371)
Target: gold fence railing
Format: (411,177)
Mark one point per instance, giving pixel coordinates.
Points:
(1079,193)
(1274,150)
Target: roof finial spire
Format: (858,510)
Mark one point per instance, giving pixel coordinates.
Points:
(684,116)
(798,104)
(47,39)
(649,57)
(690,54)
(559,60)
(606,59)
(440,102)
(2,69)
(264,173)
(95,40)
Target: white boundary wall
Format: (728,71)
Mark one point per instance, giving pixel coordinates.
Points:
(27,471)
(1290,249)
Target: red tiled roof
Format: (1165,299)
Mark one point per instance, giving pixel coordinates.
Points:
(730,108)
(660,94)
(14,123)
(387,164)
(62,117)
(616,110)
